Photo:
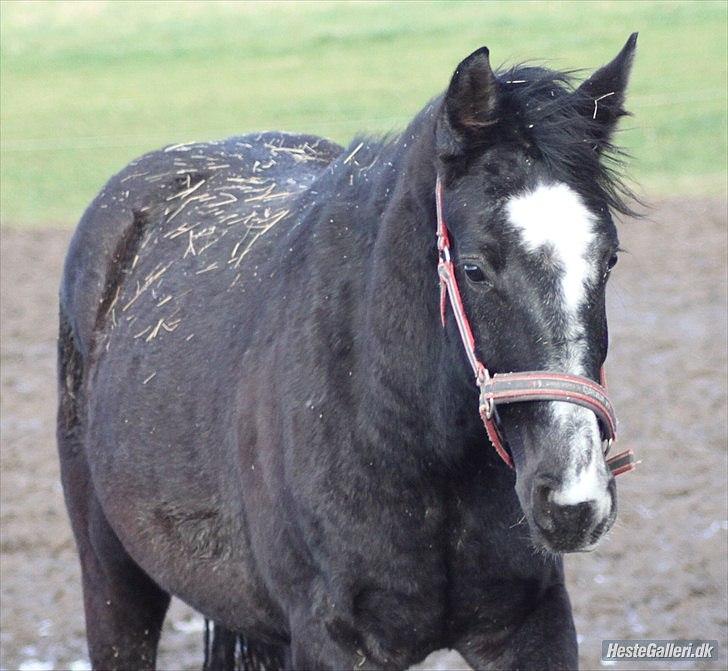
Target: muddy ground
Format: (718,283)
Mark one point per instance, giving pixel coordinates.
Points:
(660,574)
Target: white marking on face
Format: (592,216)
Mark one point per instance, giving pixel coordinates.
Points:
(588,485)
(555,218)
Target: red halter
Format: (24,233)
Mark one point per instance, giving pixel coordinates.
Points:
(503,388)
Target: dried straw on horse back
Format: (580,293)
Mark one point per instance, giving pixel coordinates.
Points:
(192,210)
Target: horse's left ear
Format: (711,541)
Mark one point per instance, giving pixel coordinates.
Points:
(601,97)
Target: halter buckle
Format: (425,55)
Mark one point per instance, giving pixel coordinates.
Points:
(486,408)
(487,405)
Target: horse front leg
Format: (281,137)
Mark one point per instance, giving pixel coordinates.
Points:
(544,640)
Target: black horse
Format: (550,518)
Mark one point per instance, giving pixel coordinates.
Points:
(261,413)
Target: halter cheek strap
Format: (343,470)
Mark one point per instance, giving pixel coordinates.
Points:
(504,388)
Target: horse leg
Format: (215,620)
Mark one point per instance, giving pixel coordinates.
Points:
(124,607)
(546,639)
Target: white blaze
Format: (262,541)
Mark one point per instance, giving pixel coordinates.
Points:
(555,218)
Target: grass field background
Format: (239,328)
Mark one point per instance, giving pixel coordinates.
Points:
(87,86)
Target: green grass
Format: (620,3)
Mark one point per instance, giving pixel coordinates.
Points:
(85,87)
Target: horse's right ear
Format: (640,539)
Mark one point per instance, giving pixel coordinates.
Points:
(469,105)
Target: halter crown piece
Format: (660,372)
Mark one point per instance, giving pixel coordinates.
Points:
(503,388)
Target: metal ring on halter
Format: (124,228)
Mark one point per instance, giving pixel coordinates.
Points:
(487,407)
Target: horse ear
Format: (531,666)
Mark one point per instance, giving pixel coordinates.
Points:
(470,103)
(601,97)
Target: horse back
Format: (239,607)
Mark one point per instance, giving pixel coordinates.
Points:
(179,204)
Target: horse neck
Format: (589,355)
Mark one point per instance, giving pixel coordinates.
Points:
(410,387)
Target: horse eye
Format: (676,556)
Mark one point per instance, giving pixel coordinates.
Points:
(474,273)
(612,262)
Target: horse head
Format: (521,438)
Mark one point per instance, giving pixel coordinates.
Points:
(527,188)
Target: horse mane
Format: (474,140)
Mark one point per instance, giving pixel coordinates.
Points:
(545,107)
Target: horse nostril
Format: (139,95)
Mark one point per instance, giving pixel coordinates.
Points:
(543,506)
(544,494)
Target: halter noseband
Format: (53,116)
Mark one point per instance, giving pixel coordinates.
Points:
(503,388)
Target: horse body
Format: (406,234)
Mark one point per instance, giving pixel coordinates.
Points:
(261,415)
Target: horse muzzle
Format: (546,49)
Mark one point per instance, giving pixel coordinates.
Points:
(570,527)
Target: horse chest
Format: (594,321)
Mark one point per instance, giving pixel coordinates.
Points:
(396,593)
(493,574)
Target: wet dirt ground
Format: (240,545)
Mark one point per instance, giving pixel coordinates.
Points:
(661,573)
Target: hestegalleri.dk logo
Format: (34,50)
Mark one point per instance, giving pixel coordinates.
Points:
(625,650)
